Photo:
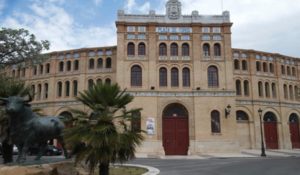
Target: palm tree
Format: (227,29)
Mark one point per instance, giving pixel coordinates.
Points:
(9,87)
(105,136)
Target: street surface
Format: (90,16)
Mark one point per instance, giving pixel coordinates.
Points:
(225,166)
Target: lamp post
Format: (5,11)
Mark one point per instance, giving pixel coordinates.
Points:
(263,153)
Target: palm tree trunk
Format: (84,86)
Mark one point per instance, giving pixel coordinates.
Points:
(104,169)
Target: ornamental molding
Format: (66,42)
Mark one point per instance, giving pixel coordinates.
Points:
(183,94)
(268,103)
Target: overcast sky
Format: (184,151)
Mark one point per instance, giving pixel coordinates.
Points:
(264,25)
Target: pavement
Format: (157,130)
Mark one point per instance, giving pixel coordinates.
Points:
(246,153)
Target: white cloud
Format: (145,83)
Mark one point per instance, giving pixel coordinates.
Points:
(131,6)
(265,25)
(97,2)
(49,21)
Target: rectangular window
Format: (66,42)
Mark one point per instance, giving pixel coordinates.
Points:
(174,37)
(205,37)
(141,29)
(141,36)
(216,29)
(162,37)
(217,37)
(185,30)
(161,29)
(205,30)
(185,37)
(130,36)
(130,28)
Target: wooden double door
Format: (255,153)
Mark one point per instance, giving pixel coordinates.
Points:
(295,136)
(175,135)
(271,137)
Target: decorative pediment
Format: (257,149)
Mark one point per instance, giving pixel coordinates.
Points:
(173,9)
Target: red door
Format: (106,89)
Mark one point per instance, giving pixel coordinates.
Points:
(271,135)
(295,136)
(175,135)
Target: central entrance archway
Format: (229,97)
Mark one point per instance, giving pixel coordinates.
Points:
(294,130)
(175,130)
(270,128)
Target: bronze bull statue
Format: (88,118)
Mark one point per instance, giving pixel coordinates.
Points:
(28,128)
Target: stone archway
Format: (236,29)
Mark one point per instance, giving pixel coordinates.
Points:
(175,129)
(270,130)
(68,117)
(294,130)
(243,129)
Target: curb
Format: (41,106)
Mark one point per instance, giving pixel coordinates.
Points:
(151,170)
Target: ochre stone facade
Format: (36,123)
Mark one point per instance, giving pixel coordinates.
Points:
(184,73)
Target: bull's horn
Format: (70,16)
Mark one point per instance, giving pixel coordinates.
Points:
(3,99)
(28,100)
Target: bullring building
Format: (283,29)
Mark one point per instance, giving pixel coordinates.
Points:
(199,95)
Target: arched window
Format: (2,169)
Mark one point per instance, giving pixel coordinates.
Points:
(296,92)
(270,117)
(76,65)
(258,66)
(238,87)
(241,116)
(99,81)
(48,68)
(215,122)
(107,81)
(91,64)
(186,77)
(39,91)
(174,77)
(130,49)
(285,91)
(136,75)
(265,67)
(68,65)
(100,63)
(41,69)
(246,88)
(67,88)
(59,89)
(33,89)
(274,93)
(294,118)
(294,71)
(163,77)
(267,89)
(217,49)
(108,63)
(282,70)
(61,66)
(90,83)
(46,89)
(23,72)
(206,49)
(260,89)
(212,77)
(244,65)
(185,49)
(271,67)
(162,49)
(291,90)
(288,70)
(174,49)
(136,121)
(14,73)
(75,88)
(236,64)
(141,49)
(34,71)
